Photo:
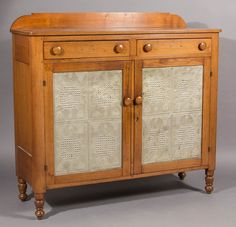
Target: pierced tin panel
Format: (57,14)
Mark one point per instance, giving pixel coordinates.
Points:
(172,113)
(87,121)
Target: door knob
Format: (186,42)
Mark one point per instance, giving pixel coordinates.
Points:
(202,46)
(128,101)
(119,48)
(147,47)
(138,100)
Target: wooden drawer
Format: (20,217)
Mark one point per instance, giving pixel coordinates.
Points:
(86,49)
(173,47)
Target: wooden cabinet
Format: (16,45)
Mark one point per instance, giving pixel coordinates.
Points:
(102,97)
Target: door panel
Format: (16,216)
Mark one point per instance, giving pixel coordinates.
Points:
(172,114)
(87,121)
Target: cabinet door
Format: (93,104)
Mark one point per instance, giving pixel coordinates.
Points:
(87,124)
(171,114)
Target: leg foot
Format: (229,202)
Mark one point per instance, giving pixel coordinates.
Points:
(181,175)
(209,181)
(39,203)
(22,186)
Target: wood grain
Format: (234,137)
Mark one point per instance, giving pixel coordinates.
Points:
(173,48)
(124,36)
(88,41)
(38,123)
(138,119)
(108,31)
(24,165)
(23,105)
(22,111)
(98,20)
(206,110)
(21,48)
(126,119)
(162,166)
(88,49)
(213,102)
(151,174)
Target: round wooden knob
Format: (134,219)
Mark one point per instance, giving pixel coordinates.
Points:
(57,50)
(119,48)
(202,46)
(138,100)
(147,47)
(127,101)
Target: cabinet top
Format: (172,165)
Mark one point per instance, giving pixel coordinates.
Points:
(40,24)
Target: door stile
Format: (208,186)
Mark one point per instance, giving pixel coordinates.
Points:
(138,118)
(126,118)
(49,119)
(206,110)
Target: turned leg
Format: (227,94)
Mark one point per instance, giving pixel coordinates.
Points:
(22,186)
(209,181)
(181,175)
(39,203)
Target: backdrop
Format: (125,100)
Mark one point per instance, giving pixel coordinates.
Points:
(200,13)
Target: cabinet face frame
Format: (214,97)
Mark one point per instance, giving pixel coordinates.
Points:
(178,164)
(49,69)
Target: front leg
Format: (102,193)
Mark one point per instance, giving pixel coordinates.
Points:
(39,203)
(22,186)
(209,181)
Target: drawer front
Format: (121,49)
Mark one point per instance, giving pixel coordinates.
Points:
(175,47)
(86,49)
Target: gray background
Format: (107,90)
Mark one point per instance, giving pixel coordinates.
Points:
(158,201)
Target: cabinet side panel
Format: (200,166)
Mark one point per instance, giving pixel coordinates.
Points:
(24,165)
(21,48)
(22,112)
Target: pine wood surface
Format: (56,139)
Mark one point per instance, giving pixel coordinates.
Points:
(44,43)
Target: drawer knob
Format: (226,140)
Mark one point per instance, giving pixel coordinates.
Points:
(147,47)
(202,46)
(128,101)
(119,48)
(57,50)
(138,100)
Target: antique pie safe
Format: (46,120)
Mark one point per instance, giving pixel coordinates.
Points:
(102,97)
